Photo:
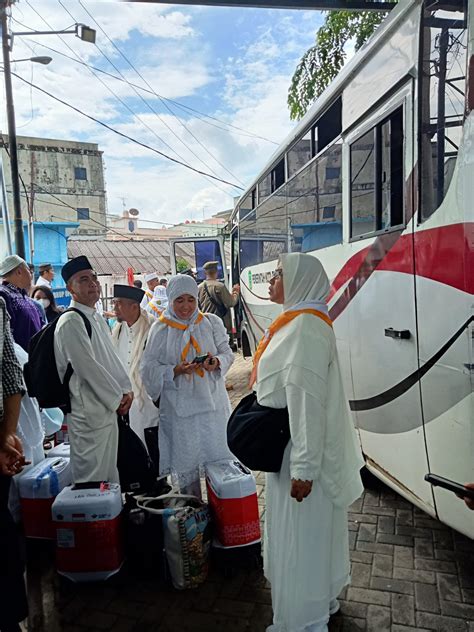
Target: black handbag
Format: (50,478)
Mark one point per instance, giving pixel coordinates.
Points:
(258,435)
(135,467)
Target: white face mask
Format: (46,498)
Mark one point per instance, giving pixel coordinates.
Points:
(45,302)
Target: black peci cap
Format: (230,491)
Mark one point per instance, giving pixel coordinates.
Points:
(75,265)
(129,291)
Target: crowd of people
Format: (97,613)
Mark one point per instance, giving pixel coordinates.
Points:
(164,365)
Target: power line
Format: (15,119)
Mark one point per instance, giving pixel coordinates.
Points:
(150,87)
(121,101)
(170,129)
(202,116)
(123,135)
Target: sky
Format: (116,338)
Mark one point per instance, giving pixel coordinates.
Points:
(228,63)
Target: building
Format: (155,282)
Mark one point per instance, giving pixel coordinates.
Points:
(126,226)
(61,181)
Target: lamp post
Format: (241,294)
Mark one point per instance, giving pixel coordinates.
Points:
(80,30)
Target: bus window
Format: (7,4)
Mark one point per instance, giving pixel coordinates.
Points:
(315,201)
(300,154)
(442,96)
(377,177)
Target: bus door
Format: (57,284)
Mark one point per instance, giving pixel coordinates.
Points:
(189,254)
(444,249)
(381,298)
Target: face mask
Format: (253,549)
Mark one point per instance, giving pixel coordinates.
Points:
(45,302)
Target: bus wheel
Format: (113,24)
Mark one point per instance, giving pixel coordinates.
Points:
(244,341)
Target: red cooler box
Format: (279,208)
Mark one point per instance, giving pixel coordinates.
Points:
(88,532)
(38,487)
(232,497)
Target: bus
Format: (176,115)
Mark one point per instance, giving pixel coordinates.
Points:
(377,181)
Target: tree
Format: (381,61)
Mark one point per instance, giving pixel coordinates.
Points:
(181,265)
(322,62)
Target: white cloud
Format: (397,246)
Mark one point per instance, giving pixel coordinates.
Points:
(179,62)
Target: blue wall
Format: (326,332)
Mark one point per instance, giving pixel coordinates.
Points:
(50,243)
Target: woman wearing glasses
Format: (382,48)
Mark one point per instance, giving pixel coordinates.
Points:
(306,546)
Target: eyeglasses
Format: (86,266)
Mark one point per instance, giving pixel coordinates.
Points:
(278,274)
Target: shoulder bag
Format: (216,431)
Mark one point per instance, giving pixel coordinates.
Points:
(258,435)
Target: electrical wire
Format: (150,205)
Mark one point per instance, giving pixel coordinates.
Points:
(202,116)
(183,160)
(150,87)
(123,135)
(170,129)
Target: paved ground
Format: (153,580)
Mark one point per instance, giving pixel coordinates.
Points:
(409,573)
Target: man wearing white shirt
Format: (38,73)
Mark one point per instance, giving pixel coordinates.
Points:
(129,337)
(99,387)
(151,281)
(46,275)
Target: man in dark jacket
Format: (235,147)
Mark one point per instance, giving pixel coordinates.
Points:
(214,297)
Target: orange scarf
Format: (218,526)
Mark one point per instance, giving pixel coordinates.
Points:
(155,308)
(192,341)
(276,325)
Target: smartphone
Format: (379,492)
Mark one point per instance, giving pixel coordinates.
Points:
(200,359)
(452,486)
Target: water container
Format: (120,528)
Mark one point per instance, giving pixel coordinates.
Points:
(88,529)
(232,497)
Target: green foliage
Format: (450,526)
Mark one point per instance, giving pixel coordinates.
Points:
(182,265)
(322,62)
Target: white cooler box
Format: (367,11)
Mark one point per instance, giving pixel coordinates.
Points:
(88,529)
(232,498)
(62,449)
(38,487)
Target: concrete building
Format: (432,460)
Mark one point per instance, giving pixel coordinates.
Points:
(62,181)
(129,226)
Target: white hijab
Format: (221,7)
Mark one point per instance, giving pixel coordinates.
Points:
(305,283)
(179,285)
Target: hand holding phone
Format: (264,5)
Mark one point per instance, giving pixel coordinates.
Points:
(200,359)
(461,490)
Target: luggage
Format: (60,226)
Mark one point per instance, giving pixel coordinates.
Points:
(88,531)
(135,467)
(41,375)
(186,536)
(232,497)
(38,487)
(258,435)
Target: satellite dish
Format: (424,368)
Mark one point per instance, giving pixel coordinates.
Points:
(134,212)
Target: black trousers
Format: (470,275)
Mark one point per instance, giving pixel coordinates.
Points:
(13,602)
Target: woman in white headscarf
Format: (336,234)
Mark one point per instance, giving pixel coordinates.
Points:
(306,552)
(194,405)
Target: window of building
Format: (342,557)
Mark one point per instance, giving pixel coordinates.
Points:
(329,212)
(332,173)
(80,173)
(377,177)
(83,213)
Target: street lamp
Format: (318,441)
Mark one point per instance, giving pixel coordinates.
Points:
(37,60)
(82,31)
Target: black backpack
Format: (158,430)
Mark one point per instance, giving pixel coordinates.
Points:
(41,375)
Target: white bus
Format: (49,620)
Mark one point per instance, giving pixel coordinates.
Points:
(377,181)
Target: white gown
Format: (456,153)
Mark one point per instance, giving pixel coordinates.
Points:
(97,386)
(143,413)
(194,410)
(306,551)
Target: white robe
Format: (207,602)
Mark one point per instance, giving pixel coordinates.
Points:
(128,342)
(306,552)
(42,281)
(146,298)
(97,386)
(194,410)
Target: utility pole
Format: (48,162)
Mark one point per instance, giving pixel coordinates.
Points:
(12,144)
